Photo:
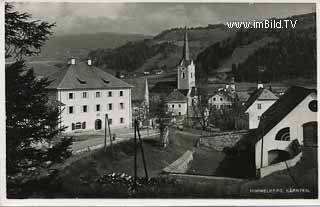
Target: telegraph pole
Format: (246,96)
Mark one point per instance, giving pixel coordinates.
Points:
(135,154)
(105,132)
(142,152)
(107,117)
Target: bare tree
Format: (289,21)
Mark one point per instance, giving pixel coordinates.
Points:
(201,109)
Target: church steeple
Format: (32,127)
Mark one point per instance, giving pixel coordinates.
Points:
(186,53)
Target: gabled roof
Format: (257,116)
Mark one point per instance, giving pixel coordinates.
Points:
(225,94)
(282,107)
(176,96)
(82,76)
(260,94)
(184,91)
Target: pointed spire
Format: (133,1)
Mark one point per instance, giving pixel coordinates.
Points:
(146,93)
(186,54)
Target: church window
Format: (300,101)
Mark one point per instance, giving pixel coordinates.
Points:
(183,75)
(172,105)
(283,134)
(191,75)
(259,106)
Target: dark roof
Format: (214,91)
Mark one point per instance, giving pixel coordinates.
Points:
(282,107)
(243,95)
(55,102)
(164,87)
(82,76)
(260,94)
(184,91)
(193,91)
(176,96)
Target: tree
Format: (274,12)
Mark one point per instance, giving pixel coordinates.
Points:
(201,108)
(159,111)
(23,37)
(32,119)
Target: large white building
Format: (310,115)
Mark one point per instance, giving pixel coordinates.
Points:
(86,94)
(257,104)
(293,118)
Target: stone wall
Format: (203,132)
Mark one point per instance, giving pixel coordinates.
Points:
(220,140)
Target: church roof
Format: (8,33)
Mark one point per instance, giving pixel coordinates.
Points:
(186,53)
(281,108)
(186,59)
(176,96)
(82,76)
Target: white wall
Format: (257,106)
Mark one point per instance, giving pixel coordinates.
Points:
(295,119)
(218,102)
(176,109)
(255,113)
(91,101)
(189,80)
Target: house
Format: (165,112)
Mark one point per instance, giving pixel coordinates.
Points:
(260,100)
(222,99)
(88,94)
(177,103)
(292,120)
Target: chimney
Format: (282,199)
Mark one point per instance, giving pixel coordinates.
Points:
(89,62)
(73,61)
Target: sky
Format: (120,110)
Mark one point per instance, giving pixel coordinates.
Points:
(151,18)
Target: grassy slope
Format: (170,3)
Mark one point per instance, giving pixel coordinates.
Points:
(100,162)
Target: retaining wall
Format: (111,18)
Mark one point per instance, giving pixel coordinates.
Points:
(220,140)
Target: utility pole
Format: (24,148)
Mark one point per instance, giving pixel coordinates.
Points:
(105,132)
(262,131)
(135,155)
(142,152)
(107,121)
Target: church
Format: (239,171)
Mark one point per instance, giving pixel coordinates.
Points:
(179,101)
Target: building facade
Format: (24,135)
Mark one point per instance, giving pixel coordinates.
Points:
(88,94)
(291,120)
(257,104)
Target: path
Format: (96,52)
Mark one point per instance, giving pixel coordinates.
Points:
(95,141)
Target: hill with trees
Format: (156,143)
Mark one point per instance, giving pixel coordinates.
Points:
(265,54)
(274,54)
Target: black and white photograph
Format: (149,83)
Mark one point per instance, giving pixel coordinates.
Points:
(159,100)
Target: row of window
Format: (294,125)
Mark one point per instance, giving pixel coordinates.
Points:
(172,106)
(183,75)
(98,94)
(82,125)
(214,99)
(85,108)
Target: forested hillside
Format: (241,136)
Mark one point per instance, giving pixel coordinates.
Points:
(247,54)
(164,51)
(79,45)
(285,53)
